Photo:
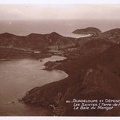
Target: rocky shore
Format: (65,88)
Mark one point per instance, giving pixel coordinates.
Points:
(94,72)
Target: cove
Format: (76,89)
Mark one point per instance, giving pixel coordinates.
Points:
(19,76)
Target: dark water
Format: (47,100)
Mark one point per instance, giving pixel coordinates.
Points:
(19,76)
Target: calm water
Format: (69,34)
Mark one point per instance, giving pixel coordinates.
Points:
(63,27)
(19,76)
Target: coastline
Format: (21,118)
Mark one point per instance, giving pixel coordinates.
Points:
(82,83)
(21,63)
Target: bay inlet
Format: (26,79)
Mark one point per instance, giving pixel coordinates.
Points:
(21,75)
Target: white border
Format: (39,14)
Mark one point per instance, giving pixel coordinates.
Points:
(59,1)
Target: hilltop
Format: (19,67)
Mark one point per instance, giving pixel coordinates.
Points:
(36,41)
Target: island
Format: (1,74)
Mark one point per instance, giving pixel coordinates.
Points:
(89,30)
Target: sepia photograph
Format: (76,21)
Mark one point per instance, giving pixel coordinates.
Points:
(59,59)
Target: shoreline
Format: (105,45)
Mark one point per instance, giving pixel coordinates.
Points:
(62,74)
(80,84)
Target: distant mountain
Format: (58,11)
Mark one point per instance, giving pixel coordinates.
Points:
(55,41)
(89,30)
(36,41)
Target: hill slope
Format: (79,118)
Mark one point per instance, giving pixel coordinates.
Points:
(92,75)
(36,41)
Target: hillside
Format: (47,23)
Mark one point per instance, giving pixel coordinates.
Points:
(12,46)
(112,35)
(36,41)
(94,73)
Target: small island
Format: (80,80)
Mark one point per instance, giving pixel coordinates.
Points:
(89,30)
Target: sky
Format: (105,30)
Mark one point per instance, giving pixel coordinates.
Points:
(22,17)
(59,11)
